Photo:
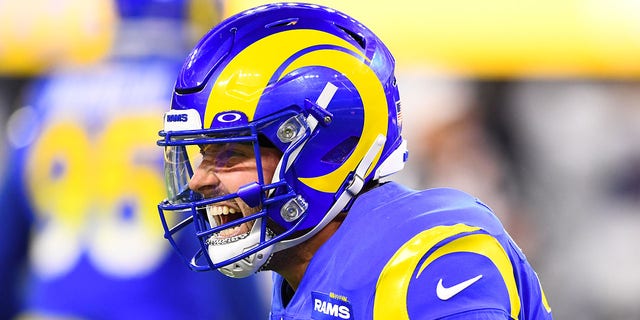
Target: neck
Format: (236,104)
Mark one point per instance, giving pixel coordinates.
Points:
(292,263)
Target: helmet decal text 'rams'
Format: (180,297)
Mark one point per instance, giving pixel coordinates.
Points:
(175,120)
(183,117)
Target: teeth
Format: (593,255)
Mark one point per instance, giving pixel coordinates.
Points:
(229,232)
(218,241)
(211,212)
(213,240)
(214,214)
(220,210)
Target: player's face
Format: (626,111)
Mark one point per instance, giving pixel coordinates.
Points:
(223,169)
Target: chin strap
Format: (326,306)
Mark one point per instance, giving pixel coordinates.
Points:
(356,184)
(249,265)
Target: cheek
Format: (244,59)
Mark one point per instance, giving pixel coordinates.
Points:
(233,181)
(269,164)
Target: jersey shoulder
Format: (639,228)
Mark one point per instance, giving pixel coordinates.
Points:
(453,256)
(410,211)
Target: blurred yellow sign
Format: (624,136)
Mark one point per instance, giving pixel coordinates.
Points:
(38,34)
(502,38)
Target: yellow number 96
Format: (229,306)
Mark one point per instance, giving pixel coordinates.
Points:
(96,193)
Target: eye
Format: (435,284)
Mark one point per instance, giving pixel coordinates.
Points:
(228,158)
(226,155)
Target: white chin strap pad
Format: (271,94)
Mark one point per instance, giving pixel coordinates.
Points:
(244,267)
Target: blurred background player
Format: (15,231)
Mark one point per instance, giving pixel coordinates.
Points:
(84,174)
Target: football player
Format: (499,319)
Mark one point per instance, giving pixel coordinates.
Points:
(285,120)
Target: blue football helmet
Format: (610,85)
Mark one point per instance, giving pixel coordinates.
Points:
(305,79)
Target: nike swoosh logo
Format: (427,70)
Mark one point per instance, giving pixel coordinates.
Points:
(446,293)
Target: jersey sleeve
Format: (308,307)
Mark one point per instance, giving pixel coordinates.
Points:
(456,272)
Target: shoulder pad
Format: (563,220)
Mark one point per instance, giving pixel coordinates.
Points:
(446,270)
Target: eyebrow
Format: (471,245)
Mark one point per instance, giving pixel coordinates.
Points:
(216,147)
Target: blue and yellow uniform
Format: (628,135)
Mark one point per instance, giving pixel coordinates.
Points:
(405,254)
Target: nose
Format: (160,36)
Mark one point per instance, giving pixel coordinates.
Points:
(204,180)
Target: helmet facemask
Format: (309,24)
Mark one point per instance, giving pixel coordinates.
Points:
(230,225)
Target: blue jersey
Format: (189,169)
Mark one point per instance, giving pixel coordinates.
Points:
(404,254)
(85,178)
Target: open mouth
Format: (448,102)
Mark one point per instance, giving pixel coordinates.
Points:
(220,214)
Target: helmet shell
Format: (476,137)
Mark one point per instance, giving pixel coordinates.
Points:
(263,65)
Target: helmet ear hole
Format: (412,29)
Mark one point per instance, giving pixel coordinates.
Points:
(340,152)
